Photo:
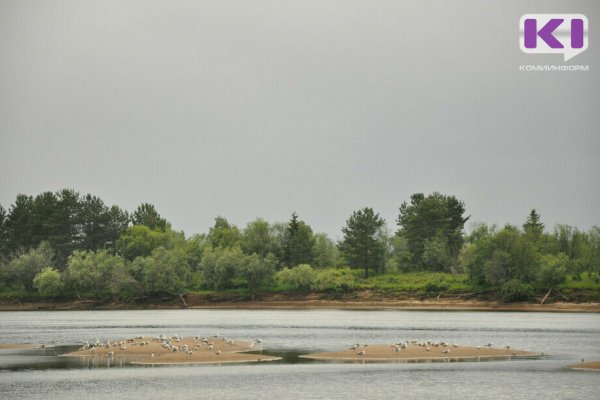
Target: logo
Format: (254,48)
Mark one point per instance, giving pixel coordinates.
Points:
(565,34)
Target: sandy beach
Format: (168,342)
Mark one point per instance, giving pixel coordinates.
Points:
(419,352)
(591,365)
(366,300)
(175,350)
(10,346)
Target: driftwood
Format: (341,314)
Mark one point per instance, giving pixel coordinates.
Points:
(546,296)
(183,300)
(562,295)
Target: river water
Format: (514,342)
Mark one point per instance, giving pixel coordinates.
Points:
(565,338)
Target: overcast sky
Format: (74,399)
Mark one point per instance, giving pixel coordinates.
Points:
(259,108)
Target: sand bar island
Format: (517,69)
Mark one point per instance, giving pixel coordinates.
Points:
(175,350)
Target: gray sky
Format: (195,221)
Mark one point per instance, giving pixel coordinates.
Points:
(258,108)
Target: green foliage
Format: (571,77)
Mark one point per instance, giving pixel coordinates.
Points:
(500,258)
(19,272)
(325,252)
(298,243)
(553,270)
(166,271)
(257,270)
(400,257)
(301,277)
(220,267)
(256,238)
(436,218)
(97,272)
(48,282)
(515,290)
(533,226)
(362,246)
(147,215)
(62,242)
(116,225)
(140,241)
(436,254)
(418,282)
(65,220)
(334,279)
(3,232)
(223,234)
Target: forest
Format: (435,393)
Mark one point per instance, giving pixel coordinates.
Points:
(68,246)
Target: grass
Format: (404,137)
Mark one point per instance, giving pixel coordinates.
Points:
(417,282)
(585,283)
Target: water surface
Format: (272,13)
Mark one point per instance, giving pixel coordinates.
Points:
(565,337)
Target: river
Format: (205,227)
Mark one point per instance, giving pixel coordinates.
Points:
(565,338)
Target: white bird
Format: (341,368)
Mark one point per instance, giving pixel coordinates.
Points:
(361,353)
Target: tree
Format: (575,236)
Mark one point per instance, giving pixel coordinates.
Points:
(116,224)
(67,227)
(3,233)
(258,270)
(97,272)
(361,246)
(93,221)
(24,267)
(19,223)
(48,282)
(436,254)
(140,241)
(532,226)
(223,234)
(325,251)
(428,217)
(503,257)
(166,271)
(298,243)
(301,277)
(553,270)
(220,266)
(256,238)
(147,215)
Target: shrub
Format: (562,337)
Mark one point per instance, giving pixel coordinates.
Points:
(300,277)
(515,290)
(332,279)
(553,270)
(48,282)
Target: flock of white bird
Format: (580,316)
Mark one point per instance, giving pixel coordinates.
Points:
(169,343)
(397,347)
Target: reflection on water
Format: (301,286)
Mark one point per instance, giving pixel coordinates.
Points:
(43,374)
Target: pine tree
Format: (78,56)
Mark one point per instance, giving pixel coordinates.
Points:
(361,246)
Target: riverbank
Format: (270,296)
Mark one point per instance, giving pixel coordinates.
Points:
(365,300)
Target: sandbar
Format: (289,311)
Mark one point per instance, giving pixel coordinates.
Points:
(11,346)
(420,352)
(590,365)
(175,350)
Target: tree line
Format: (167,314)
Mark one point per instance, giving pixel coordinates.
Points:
(69,245)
